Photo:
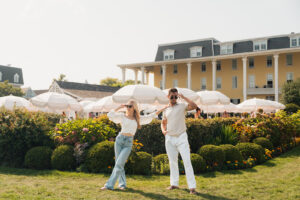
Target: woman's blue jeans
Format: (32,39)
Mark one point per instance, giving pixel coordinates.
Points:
(123,147)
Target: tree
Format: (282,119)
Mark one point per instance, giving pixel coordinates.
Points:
(114,82)
(7,89)
(62,77)
(291,92)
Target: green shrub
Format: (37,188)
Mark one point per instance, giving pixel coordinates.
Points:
(251,150)
(38,158)
(264,142)
(161,164)
(139,163)
(100,157)
(227,136)
(63,158)
(291,108)
(21,130)
(199,164)
(231,153)
(213,155)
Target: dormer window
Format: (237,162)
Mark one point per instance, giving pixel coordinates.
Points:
(196,51)
(0,76)
(260,45)
(169,54)
(16,78)
(295,41)
(226,49)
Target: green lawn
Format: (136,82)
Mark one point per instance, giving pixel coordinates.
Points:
(278,178)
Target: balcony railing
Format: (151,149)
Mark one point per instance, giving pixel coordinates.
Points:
(257,90)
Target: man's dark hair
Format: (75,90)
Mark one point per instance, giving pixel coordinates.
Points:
(198,109)
(172,90)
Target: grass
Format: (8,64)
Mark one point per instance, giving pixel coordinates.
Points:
(278,178)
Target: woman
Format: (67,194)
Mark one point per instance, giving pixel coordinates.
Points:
(130,122)
(197,114)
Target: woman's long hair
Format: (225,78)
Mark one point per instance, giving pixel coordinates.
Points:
(136,112)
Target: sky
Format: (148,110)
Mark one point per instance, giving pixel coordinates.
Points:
(87,39)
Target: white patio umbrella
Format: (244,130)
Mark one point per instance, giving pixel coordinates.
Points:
(143,94)
(212,98)
(219,108)
(85,103)
(103,105)
(251,105)
(56,101)
(10,102)
(190,94)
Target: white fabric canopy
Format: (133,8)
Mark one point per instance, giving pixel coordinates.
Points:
(212,98)
(190,94)
(56,101)
(10,102)
(230,108)
(143,94)
(251,105)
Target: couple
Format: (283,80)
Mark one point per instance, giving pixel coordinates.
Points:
(176,141)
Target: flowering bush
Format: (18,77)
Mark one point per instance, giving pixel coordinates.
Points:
(89,131)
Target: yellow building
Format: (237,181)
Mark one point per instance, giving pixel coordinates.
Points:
(242,69)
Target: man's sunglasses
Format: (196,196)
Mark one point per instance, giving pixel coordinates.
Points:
(128,106)
(174,97)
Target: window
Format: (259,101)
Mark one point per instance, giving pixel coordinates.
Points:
(251,62)
(0,76)
(289,77)
(219,83)
(289,59)
(269,80)
(203,67)
(269,61)
(175,83)
(234,64)
(175,69)
(251,81)
(169,54)
(16,78)
(203,84)
(235,101)
(161,84)
(218,65)
(295,41)
(161,70)
(196,51)
(272,98)
(260,45)
(234,82)
(226,49)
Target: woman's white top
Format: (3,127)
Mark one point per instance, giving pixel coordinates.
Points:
(129,125)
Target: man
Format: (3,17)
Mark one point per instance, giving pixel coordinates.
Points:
(176,140)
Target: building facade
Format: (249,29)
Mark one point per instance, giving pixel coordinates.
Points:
(13,75)
(241,69)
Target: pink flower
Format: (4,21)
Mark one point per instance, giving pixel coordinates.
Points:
(85,129)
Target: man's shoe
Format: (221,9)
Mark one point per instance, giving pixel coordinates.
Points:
(172,187)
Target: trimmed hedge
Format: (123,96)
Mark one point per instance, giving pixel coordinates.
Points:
(100,157)
(231,153)
(264,142)
(38,158)
(139,163)
(161,164)
(251,150)
(213,155)
(63,158)
(199,164)
(21,130)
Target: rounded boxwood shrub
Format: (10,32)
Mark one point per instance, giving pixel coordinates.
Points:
(63,158)
(139,163)
(38,158)
(264,142)
(161,164)
(231,153)
(100,157)
(199,164)
(251,149)
(213,155)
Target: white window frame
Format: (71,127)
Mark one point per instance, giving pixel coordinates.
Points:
(250,83)
(219,82)
(175,66)
(169,54)
(175,83)
(270,78)
(260,43)
(226,49)
(16,78)
(234,67)
(203,64)
(196,51)
(297,38)
(271,61)
(234,82)
(288,75)
(203,83)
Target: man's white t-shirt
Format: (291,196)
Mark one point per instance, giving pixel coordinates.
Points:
(175,116)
